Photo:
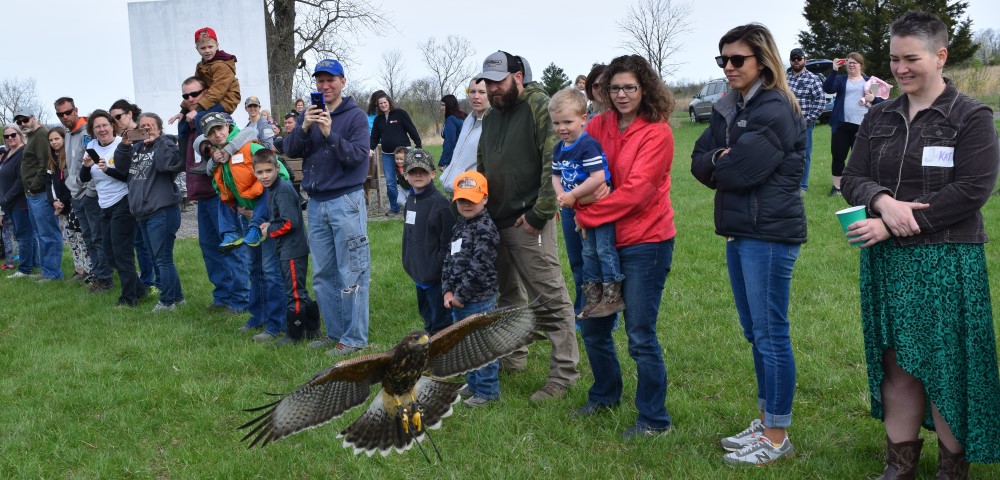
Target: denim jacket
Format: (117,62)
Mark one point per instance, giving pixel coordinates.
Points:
(947,157)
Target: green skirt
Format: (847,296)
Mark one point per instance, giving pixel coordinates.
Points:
(931,304)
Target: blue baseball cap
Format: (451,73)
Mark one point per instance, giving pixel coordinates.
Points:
(330,66)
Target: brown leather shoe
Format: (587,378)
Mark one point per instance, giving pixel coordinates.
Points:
(550,391)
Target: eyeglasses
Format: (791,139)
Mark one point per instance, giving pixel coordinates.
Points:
(737,60)
(852,64)
(796,59)
(187,96)
(10,137)
(119,116)
(614,89)
(66,113)
(22,121)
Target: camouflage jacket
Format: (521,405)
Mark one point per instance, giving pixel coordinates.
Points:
(469,268)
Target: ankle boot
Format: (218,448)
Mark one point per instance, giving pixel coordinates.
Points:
(901,460)
(951,466)
(594,293)
(295,325)
(311,320)
(611,301)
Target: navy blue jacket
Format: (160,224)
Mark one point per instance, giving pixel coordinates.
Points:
(838,84)
(337,164)
(757,182)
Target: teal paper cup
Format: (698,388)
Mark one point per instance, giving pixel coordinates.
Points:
(850,215)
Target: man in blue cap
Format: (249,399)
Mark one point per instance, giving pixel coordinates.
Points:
(332,140)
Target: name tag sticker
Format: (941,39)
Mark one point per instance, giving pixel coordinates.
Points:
(235,159)
(411,217)
(939,157)
(456,246)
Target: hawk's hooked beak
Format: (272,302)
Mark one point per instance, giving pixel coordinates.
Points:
(423,340)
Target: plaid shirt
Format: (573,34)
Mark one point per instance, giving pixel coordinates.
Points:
(808,89)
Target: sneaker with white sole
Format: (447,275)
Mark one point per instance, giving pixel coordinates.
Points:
(740,440)
(760,451)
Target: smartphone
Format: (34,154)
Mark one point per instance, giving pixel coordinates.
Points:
(93,155)
(317,99)
(137,134)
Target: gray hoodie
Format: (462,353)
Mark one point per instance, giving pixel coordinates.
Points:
(151,172)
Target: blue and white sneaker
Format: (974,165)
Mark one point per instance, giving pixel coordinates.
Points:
(760,451)
(254,237)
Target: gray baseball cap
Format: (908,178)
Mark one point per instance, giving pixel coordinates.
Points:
(498,65)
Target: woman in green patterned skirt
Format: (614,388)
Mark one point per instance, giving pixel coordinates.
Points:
(924,164)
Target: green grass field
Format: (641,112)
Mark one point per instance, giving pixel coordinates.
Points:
(91,391)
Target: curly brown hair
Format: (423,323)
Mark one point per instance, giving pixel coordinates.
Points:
(94,116)
(657,102)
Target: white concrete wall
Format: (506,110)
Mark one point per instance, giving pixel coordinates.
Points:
(164,54)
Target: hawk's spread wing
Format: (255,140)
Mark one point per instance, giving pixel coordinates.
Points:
(326,396)
(480,339)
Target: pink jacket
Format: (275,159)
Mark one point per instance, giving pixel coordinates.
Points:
(882,89)
(639,159)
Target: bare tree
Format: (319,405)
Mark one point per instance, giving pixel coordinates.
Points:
(653,29)
(422,101)
(449,61)
(988,41)
(391,75)
(303,31)
(17,94)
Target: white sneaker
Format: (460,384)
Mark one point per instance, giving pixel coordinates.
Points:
(18,274)
(740,440)
(758,452)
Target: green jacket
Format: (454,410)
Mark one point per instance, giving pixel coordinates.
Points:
(35,163)
(515,156)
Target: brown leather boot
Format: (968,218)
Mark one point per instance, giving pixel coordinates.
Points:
(951,466)
(594,294)
(901,460)
(611,303)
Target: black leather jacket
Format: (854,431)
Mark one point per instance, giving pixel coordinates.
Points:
(757,182)
(947,157)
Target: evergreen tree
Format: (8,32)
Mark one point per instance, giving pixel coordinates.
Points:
(554,79)
(838,27)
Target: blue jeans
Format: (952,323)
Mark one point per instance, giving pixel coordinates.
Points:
(389,170)
(809,148)
(338,241)
(46,228)
(574,253)
(645,267)
(267,288)
(600,257)
(26,245)
(88,213)
(484,382)
(159,232)
(760,274)
(149,276)
(228,216)
(227,271)
(430,301)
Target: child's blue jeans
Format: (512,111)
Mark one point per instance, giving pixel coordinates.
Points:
(600,257)
(485,382)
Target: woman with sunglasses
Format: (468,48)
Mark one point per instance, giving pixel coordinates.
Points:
(16,220)
(639,145)
(62,204)
(126,115)
(849,108)
(594,91)
(751,154)
(117,223)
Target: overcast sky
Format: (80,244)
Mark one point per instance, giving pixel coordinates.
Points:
(80,48)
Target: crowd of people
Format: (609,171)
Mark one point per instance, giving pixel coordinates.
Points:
(599,156)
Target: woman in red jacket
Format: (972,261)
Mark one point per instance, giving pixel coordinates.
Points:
(639,146)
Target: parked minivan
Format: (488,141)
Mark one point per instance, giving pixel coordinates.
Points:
(700,109)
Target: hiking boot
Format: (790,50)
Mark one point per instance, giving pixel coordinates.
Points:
(611,302)
(477,401)
(640,430)
(100,286)
(591,408)
(265,336)
(760,451)
(593,292)
(254,237)
(230,242)
(342,350)
(740,440)
(901,460)
(550,391)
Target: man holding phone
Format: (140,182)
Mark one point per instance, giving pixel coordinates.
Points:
(333,141)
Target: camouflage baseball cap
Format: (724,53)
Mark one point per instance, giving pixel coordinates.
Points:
(418,158)
(214,119)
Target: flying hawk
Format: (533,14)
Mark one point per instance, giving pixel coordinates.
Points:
(413,398)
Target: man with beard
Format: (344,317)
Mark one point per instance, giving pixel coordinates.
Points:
(515,156)
(37,187)
(84,195)
(808,89)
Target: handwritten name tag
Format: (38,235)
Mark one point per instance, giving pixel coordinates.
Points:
(411,217)
(939,157)
(456,246)
(236,159)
